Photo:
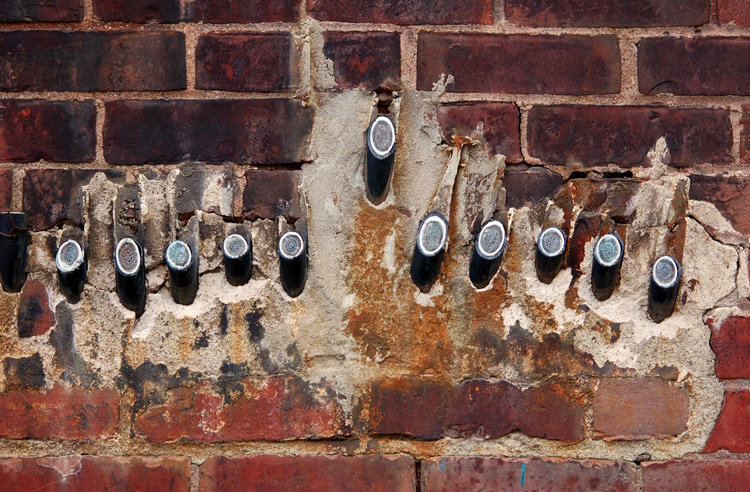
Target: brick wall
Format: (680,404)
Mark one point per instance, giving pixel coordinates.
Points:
(166,119)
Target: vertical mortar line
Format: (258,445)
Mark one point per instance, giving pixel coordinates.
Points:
(88,10)
(418,475)
(194,477)
(192,33)
(302,10)
(735,117)
(16,194)
(628,66)
(408,40)
(99,132)
(524,129)
(499,11)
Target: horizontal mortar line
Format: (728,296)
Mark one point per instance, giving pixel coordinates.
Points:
(120,27)
(177,95)
(670,100)
(736,384)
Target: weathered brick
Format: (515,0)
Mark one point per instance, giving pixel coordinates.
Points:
(496,124)
(520,64)
(210,11)
(696,476)
(6,189)
(729,194)
(639,408)
(92,61)
(251,131)
(470,474)
(24,372)
(403,12)
(527,186)
(279,408)
(694,66)
(59,413)
(35,317)
(624,135)
(41,11)
(364,60)
(96,474)
(606,13)
(264,62)
(730,341)
(733,12)
(374,473)
(58,131)
(200,187)
(431,410)
(269,194)
(731,431)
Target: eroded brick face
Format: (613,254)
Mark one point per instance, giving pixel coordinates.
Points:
(42,11)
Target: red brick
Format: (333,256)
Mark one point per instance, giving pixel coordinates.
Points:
(250,131)
(59,413)
(279,408)
(269,194)
(527,186)
(431,410)
(35,317)
(520,64)
(246,62)
(211,11)
(470,474)
(729,194)
(639,408)
(496,124)
(696,476)
(730,341)
(92,61)
(733,12)
(694,66)
(624,135)
(606,13)
(41,11)
(6,189)
(96,474)
(364,60)
(374,473)
(403,12)
(732,431)
(58,131)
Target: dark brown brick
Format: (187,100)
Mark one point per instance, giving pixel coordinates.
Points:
(527,186)
(92,61)
(24,372)
(255,131)
(41,11)
(6,189)
(638,409)
(35,317)
(696,476)
(59,413)
(364,60)
(140,11)
(732,431)
(403,12)
(694,66)
(96,474)
(730,341)
(733,12)
(606,13)
(730,194)
(269,194)
(520,64)
(210,11)
(623,135)
(58,131)
(246,62)
(374,473)
(53,196)
(279,408)
(469,474)
(496,124)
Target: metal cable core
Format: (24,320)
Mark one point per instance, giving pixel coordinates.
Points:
(382,137)
(665,272)
(551,242)
(432,236)
(291,245)
(491,242)
(179,256)
(608,250)
(235,246)
(127,257)
(69,256)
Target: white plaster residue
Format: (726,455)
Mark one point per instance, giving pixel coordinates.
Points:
(389,253)
(66,466)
